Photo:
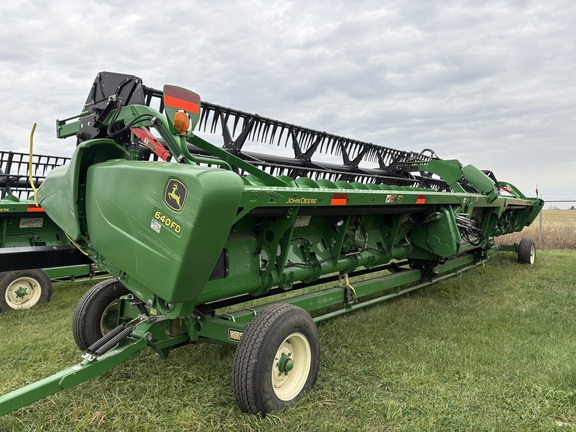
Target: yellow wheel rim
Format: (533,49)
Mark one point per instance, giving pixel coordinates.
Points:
(291,366)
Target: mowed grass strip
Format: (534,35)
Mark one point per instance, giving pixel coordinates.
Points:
(492,349)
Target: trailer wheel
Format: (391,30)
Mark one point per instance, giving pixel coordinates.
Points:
(527,251)
(98,312)
(24,289)
(277,359)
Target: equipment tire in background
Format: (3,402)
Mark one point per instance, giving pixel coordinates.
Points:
(527,251)
(23,289)
(97,312)
(277,359)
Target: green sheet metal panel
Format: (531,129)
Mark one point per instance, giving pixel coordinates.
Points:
(164,225)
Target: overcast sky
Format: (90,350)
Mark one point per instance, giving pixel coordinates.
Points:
(491,83)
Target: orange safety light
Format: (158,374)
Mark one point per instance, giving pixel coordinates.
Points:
(181,122)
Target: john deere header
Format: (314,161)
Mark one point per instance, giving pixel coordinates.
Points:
(163,194)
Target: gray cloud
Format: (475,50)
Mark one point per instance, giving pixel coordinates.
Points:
(490,83)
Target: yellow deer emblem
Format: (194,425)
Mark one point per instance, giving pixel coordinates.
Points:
(175,194)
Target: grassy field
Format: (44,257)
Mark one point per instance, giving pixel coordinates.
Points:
(492,349)
(558,230)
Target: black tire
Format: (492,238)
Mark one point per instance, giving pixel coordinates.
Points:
(97,312)
(23,289)
(527,251)
(284,337)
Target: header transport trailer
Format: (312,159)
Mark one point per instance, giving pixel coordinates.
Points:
(190,230)
(33,249)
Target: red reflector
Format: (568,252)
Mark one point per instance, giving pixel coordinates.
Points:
(181,99)
(339,199)
(421,199)
(34,208)
(180,104)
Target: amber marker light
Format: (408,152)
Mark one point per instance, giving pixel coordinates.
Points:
(181,122)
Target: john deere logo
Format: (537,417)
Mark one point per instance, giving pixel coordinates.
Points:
(175,195)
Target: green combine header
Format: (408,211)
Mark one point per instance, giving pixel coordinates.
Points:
(191,228)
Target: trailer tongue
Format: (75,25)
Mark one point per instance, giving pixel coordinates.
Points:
(189,228)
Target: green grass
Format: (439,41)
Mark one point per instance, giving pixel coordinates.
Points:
(492,349)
